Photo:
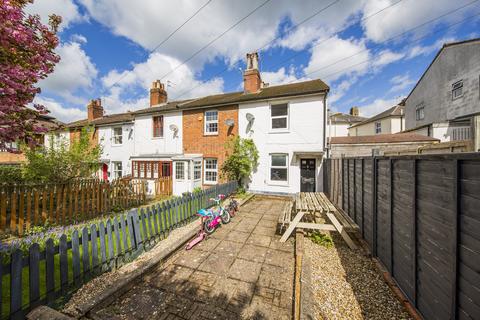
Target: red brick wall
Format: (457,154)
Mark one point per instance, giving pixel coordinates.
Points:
(211,146)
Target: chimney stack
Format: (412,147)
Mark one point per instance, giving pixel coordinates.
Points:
(94,109)
(252,81)
(354,111)
(158,95)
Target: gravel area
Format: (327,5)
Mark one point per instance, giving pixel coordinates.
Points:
(344,284)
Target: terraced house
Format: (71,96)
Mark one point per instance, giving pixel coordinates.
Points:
(186,139)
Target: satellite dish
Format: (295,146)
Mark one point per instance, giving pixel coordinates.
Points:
(174,128)
(229,122)
(250,117)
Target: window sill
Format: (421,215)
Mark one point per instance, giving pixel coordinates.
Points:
(157,138)
(210,134)
(211,183)
(117,145)
(274,131)
(278,183)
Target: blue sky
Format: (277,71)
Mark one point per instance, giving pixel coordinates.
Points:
(371,53)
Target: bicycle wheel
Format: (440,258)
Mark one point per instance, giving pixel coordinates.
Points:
(206,225)
(225,216)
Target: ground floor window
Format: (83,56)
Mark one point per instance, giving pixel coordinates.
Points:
(211,170)
(151,169)
(197,170)
(117,169)
(179,170)
(279,167)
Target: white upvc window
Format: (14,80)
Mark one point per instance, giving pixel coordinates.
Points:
(279,116)
(211,171)
(117,169)
(457,89)
(197,170)
(211,122)
(378,127)
(179,170)
(117,134)
(279,167)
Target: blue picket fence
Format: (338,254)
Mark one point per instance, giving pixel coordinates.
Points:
(48,273)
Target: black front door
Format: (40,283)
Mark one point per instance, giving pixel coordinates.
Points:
(307,175)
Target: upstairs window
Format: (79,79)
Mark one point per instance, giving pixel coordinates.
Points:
(211,122)
(378,127)
(457,89)
(117,136)
(158,126)
(420,112)
(279,114)
(278,167)
(211,171)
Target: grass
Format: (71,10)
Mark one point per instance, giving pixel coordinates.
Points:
(321,239)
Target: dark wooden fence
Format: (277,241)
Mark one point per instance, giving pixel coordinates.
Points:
(25,206)
(47,273)
(420,215)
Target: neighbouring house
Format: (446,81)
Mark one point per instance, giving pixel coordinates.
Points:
(16,158)
(186,139)
(377,145)
(389,121)
(445,102)
(338,123)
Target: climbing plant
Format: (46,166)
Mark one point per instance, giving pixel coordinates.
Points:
(241,161)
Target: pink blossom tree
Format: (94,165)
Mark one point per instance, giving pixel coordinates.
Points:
(26,56)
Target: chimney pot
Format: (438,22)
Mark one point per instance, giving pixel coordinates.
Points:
(354,111)
(158,95)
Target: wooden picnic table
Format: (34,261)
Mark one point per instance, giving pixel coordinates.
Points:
(313,203)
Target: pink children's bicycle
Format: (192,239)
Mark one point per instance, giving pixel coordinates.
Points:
(210,220)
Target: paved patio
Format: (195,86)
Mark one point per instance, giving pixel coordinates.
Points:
(240,272)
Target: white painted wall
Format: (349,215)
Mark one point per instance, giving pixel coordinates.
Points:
(337,129)
(305,133)
(112,152)
(145,143)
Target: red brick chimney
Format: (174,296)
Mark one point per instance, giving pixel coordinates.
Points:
(158,95)
(252,82)
(95,109)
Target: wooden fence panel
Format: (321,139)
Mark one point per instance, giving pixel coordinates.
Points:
(383,212)
(358,203)
(368,189)
(403,237)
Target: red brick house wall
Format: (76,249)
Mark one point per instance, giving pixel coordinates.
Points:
(211,146)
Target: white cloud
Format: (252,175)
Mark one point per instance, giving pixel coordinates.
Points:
(143,74)
(401,82)
(377,106)
(407,15)
(281,76)
(386,57)
(67,9)
(419,50)
(74,71)
(59,111)
(78,38)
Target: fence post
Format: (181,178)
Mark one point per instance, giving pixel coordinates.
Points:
(390,196)
(34,275)
(16,283)
(374,206)
(355,190)
(363,198)
(456,237)
(415,231)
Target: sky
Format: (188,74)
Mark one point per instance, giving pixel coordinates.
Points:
(371,53)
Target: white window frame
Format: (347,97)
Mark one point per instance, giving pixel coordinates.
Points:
(287,116)
(181,171)
(207,122)
(116,170)
(458,85)
(115,136)
(205,170)
(197,169)
(420,109)
(278,182)
(378,129)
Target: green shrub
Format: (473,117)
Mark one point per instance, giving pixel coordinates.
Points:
(321,239)
(10,174)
